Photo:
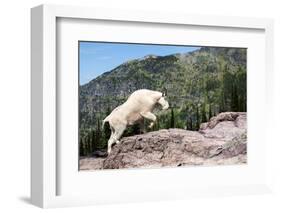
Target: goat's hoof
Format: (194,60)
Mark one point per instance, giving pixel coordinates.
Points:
(151,125)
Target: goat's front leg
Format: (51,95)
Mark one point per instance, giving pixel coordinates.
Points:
(163,103)
(149,116)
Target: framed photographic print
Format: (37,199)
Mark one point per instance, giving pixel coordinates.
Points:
(129,106)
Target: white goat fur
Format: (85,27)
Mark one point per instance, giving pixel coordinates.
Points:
(139,105)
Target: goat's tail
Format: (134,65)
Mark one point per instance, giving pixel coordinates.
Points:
(104,121)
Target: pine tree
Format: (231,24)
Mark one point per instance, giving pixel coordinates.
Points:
(234,99)
(98,138)
(108,110)
(89,151)
(197,117)
(86,147)
(187,122)
(93,141)
(172,121)
(210,111)
(81,147)
(203,114)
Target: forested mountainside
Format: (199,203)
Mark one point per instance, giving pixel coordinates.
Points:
(199,85)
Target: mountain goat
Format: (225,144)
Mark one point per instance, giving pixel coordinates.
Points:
(138,106)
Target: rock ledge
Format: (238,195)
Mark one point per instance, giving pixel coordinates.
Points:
(222,140)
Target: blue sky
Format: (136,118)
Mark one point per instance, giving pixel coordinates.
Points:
(99,57)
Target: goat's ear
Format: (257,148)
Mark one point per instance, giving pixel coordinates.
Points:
(164,92)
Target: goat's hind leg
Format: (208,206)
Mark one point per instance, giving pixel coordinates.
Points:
(115,136)
(111,141)
(119,132)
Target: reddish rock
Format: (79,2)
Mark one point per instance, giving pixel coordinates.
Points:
(223,140)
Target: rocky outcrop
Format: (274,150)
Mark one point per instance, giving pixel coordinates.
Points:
(223,140)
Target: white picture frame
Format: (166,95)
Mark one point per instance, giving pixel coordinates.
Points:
(44,154)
